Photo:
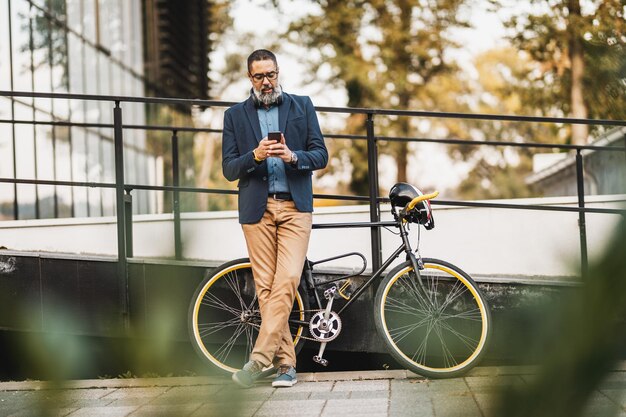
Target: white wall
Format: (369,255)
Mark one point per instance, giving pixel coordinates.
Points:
(501,243)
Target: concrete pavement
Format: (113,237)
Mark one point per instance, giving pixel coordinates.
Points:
(371,393)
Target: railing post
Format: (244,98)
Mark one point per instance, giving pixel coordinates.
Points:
(122,263)
(178,246)
(582,225)
(372,170)
(128,218)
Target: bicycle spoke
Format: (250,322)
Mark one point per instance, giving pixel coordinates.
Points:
(399,333)
(206,329)
(254,305)
(434,285)
(449,360)
(249,337)
(396,306)
(458,289)
(224,350)
(408,281)
(471,315)
(422,348)
(232,281)
(211,300)
(468,341)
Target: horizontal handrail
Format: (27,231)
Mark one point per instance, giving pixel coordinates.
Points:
(324,109)
(455,203)
(329,136)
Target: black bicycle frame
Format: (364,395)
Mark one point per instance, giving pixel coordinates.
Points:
(405,247)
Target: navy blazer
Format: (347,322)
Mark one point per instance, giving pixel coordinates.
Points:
(242,133)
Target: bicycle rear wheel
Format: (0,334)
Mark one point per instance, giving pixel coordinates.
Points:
(224,316)
(439,333)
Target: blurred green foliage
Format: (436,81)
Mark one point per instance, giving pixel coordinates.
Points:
(581,340)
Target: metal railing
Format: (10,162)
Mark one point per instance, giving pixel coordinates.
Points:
(123,189)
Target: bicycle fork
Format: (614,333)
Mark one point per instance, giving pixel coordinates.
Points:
(415,262)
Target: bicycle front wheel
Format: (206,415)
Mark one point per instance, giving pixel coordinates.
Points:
(439,329)
(224,316)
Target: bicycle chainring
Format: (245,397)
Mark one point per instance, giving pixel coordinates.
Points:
(325,330)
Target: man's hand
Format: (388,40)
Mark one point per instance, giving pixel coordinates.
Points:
(278,149)
(263,151)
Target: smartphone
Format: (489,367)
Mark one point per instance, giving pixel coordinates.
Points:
(277,136)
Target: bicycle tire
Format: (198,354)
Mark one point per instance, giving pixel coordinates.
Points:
(439,335)
(224,317)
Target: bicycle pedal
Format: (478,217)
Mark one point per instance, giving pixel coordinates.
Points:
(321,361)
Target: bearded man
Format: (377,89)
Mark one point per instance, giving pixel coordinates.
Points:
(271,144)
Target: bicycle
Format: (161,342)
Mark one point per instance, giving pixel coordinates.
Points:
(432,316)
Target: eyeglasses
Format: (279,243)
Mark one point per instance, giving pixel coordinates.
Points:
(272,75)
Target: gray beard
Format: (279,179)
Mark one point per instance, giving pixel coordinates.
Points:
(268,99)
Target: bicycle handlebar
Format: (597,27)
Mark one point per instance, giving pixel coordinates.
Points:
(421,198)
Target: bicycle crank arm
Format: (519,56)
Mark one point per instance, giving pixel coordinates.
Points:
(319,357)
(330,296)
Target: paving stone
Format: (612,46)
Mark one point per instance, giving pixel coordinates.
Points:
(51,412)
(412,400)
(91,402)
(151,392)
(38,400)
(374,406)
(411,385)
(480,384)
(286,395)
(328,395)
(613,384)
(205,391)
(423,409)
(312,386)
(452,406)
(244,409)
(283,408)
(617,375)
(178,400)
(166,410)
(132,401)
(195,395)
(78,394)
(616,395)
(487,402)
(374,385)
(368,394)
(601,405)
(447,385)
(103,412)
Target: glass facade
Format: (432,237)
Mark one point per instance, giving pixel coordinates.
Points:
(76,46)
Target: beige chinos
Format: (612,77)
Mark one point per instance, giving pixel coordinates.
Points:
(277,247)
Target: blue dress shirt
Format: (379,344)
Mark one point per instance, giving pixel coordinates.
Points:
(277,178)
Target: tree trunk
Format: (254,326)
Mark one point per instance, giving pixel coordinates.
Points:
(579,109)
